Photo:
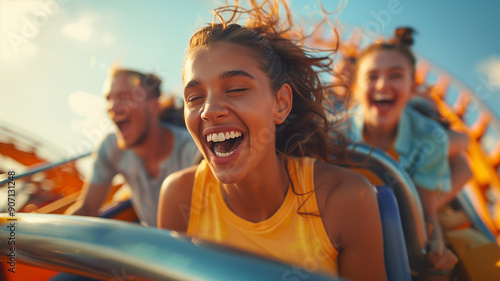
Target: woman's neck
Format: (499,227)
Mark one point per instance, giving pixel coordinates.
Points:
(157,147)
(260,194)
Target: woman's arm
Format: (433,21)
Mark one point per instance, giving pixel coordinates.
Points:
(438,255)
(352,220)
(458,142)
(460,174)
(175,200)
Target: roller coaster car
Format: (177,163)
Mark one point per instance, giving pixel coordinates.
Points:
(115,250)
(104,249)
(99,248)
(405,233)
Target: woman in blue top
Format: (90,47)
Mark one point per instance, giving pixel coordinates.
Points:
(384,84)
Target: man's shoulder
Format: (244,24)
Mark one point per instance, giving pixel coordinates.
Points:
(179,132)
(108,148)
(109,142)
(110,138)
(184,145)
(181,136)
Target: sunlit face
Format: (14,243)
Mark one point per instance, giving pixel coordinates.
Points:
(230,110)
(384,84)
(131,110)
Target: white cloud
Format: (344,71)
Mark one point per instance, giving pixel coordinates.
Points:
(17,29)
(85,104)
(81,30)
(490,67)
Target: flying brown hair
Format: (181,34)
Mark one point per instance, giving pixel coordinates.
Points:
(278,46)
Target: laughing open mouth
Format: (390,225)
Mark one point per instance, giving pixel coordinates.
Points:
(122,124)
(224,144)
(383,99)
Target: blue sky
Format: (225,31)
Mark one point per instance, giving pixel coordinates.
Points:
(54,54)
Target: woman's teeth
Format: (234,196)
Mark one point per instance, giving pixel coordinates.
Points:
(382,97)
(222,154)
(220,149)
(223,136)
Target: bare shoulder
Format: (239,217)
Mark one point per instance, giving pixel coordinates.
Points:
(335,181)
(349,210)
(176,182)
(175,200)
(342,195)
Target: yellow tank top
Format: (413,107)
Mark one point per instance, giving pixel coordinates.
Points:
(288,236)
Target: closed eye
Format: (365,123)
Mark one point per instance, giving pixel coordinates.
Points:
(194,98)
(237,90)
(372,77)
(396,75)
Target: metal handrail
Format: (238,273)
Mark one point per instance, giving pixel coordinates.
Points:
(105,249)
(410,207)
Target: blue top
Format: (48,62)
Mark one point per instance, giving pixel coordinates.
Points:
(109,160)
(421,143)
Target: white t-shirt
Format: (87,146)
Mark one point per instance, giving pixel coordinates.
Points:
(110,160)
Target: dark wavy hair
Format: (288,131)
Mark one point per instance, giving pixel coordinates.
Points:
(307,130)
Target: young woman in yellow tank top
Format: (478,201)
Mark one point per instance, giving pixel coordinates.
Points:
(253,104)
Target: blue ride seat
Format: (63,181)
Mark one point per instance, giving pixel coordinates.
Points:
(121,211)
(404,229)
(396,260)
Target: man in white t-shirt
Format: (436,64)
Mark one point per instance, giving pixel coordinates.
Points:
(144,149)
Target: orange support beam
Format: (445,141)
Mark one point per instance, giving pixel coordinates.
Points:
(421,72)
(26,158)
(495,156)
(460,106)
(479,127)
(441,86)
